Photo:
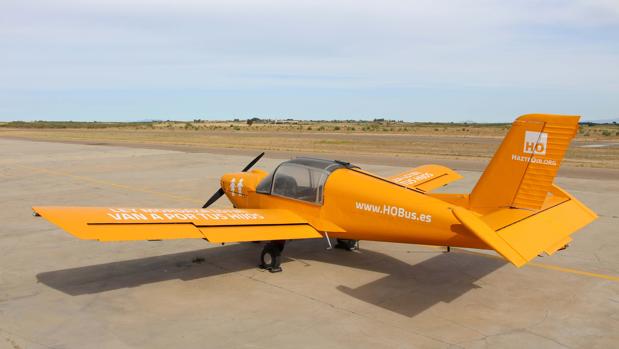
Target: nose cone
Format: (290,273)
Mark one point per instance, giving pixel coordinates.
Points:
(238,186)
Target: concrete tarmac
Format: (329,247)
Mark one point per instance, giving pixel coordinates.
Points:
(60,292)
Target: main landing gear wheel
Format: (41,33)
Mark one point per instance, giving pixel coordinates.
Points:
(345,244)
(270,258)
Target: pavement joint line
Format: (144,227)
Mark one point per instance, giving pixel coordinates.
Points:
(184,198)
(112,184)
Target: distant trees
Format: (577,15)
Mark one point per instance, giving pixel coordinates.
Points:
(252,120)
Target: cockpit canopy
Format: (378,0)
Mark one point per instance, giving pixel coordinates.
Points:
(300,179)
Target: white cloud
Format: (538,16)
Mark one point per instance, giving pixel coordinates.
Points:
(142,44)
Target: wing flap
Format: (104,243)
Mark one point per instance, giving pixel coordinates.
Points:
(259,233)
(215,225)
(426,178)
(137,232)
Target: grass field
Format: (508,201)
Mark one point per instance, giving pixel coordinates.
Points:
(596,145)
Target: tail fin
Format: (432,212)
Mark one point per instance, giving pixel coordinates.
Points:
(523,212)
(521,173)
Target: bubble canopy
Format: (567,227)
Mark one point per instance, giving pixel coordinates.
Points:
(301,179)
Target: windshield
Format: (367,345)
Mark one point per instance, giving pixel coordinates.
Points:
(299,182)
(300,179)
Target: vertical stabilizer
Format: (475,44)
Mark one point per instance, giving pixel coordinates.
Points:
(522,171)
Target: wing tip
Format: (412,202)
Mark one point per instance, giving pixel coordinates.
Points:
(36,211)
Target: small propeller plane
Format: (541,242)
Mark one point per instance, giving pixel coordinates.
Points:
(514,209)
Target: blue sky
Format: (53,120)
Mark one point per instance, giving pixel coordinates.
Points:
(437,60)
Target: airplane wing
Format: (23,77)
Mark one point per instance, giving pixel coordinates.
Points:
(214,225)
(426,178)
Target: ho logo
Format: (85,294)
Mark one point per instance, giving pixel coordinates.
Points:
(535,142)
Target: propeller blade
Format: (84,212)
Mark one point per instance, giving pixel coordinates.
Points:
(214,198)
(220,192)
(253,162)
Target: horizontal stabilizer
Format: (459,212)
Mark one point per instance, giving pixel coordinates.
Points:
(548,230)
(488,236)
(529,235)
(426,178)
(215,225)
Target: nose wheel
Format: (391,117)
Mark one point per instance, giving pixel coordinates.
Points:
(270,258)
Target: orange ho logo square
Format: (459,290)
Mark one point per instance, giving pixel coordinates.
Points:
(535,142)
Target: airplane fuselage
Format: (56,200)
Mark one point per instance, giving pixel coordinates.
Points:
(360,206)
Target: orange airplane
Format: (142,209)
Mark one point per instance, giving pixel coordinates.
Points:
(514,209)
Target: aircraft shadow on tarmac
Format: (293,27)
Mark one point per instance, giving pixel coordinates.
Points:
(406,289)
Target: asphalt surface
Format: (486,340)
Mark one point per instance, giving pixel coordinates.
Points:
(60,292)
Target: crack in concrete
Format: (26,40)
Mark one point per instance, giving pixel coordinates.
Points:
(7,298)
(9,334)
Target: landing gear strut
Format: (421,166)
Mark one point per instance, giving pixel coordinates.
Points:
(270,258)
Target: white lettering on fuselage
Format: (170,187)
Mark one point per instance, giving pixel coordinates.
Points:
(394,211)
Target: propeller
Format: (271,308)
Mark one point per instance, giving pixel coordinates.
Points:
(219,193)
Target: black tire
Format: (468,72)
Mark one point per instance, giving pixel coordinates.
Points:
(346,244)
(270,258)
